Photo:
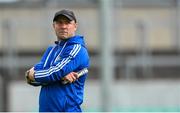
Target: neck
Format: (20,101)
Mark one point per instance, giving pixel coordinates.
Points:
(64,38)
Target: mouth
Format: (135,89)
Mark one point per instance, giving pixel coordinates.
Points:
(62,32)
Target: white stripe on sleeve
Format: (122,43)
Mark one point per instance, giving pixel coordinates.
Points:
(60,65)
(48,57)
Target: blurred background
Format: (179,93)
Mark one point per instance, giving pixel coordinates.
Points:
(134,46)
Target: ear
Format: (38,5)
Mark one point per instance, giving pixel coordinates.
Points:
(76,25)
(53,24)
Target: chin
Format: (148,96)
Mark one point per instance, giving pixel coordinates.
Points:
(62,38)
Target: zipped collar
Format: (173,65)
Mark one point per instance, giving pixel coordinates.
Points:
(73,40)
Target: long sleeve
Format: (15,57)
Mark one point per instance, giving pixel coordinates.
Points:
(70,60)
(40,65)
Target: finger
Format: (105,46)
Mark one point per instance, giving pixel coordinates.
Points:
(75,75)
(69,78)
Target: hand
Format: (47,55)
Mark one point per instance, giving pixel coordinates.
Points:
(30,75)
(71,77)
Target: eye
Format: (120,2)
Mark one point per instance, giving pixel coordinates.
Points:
(63,22)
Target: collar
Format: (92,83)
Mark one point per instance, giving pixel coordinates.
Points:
(60,42)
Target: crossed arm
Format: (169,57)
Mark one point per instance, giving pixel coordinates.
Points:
(71,77)
(62,69)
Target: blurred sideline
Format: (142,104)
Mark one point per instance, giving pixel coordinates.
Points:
(128,96)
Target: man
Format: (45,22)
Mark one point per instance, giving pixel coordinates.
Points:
(62,61)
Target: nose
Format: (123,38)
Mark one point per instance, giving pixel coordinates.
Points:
(63,25)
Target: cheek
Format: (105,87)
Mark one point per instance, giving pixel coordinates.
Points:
(56,28)
(74,29)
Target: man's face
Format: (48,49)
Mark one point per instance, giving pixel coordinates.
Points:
(64,28)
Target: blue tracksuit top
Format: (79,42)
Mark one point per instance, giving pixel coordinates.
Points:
(58,61)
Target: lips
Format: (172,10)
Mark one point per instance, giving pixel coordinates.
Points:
(63,32)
